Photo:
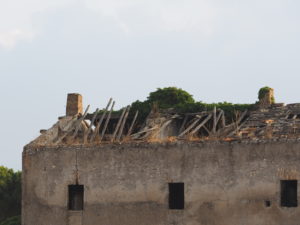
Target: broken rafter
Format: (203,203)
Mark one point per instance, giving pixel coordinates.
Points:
(191,126)
(132,123)
(205,128)
(214,120)
(234,125)
(143,131)
(90,126)
(118,125)
(97,129)
(220,115)
(223,120)
(242,117)
(201,124)
(235,131)
(107,121)
(167,123)
(123,124)
(78,123)
(183,123)
(197,113)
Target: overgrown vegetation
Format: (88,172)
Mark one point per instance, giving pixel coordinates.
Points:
(10,196)
(169,97)
(183,102)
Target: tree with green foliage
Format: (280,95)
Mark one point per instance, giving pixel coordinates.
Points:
(10,195)
(170,97)
(183,102)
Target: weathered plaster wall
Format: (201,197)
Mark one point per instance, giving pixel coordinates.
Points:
(225,183)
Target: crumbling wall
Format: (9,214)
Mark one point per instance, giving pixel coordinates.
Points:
(225,183)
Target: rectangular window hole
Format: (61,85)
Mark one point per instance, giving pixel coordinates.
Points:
(75,197)
(289,193)
(268,203)
(176,195)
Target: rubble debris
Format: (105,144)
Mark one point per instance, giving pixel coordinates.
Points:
(277,121)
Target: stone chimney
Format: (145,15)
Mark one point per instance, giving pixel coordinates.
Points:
(74,104)
(267,98)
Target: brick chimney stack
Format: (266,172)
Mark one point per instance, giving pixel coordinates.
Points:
(74,104)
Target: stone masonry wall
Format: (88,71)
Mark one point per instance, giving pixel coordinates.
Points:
(225,183)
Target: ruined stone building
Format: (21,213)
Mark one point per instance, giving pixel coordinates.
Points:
(175,169)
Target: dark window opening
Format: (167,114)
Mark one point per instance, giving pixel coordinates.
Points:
(75,197)
(289,193)
(268,203)
(176,195)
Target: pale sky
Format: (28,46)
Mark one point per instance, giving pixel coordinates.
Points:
(216,50)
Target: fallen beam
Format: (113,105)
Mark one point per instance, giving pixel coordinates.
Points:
(201,124)
(191,126)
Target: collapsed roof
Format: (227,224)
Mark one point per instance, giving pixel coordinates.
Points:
(266,120)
